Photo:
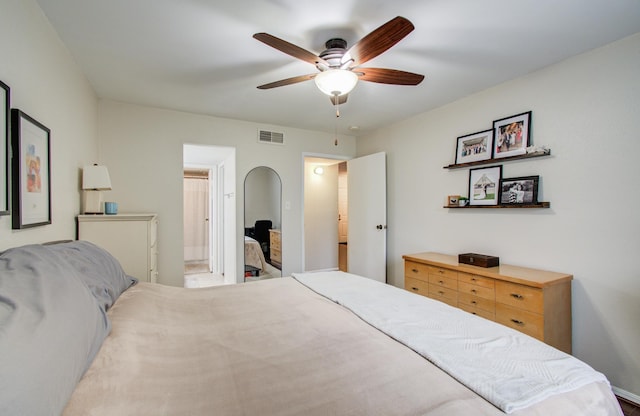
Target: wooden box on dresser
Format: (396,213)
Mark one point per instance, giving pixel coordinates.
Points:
(535,302)
(130,238)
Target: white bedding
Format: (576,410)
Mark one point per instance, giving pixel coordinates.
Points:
(276,347)
(509,369)
(253,255)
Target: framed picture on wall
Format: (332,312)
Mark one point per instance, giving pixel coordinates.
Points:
(30,171)
(484,185)
(511,135)
(474,147)
(519,191)
(4,147)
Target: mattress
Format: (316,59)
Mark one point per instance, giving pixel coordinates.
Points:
(273,347)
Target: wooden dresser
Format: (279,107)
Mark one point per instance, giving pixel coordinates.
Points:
(535,302)
(275,245)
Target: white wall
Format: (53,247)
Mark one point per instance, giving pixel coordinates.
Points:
(47,85)
(586,110)
(142,146)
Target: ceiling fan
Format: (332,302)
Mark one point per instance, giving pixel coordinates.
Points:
(340,67)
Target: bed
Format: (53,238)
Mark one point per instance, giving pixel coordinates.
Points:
(254,257)
(327,343)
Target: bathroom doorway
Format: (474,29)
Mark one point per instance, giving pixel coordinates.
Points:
(209,215)
(197,212)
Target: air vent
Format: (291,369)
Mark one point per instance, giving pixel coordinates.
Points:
(265,136)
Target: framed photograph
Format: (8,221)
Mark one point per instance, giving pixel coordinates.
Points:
(30,171)
(4,148)
(511,135)
(474,147)
(519,191)
(484,185)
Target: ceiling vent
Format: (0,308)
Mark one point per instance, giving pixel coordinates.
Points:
(273,137)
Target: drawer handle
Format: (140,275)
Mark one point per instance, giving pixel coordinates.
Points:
(473,302)
(415,288)
(414,270)
(517,296)
(473,279)
(441,292)
(517,322)
(474,291)
(441,271)
(441,282)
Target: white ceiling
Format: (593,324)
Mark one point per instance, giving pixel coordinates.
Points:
(199,55)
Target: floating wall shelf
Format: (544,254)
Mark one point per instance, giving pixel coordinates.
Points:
(538,205)
(499,160)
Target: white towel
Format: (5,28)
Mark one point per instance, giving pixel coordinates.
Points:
(509,369)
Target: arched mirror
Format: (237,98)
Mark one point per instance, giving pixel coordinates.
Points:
(262,220)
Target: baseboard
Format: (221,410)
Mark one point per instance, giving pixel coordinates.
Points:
(633,398)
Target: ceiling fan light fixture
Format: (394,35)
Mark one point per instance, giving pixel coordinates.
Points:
(336,81)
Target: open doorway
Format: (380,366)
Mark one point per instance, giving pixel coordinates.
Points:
(361,239)
(325,214)
(209,215)
(197,204)
(343,217)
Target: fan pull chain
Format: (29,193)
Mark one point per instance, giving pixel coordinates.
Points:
(335,131)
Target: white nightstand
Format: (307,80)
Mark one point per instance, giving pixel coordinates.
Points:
(130,238)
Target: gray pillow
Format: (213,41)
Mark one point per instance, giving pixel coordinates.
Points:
(51,328)
(97,268)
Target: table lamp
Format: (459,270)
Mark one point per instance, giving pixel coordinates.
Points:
(95,179)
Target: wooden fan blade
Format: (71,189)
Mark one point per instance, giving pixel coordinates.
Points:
(289,48)
(341,99)
(388,76)
(378,41)
(288,81)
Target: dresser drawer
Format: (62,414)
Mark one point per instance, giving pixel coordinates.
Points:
(416,286)
(474,301)
(476,310)
(535,302)
(477,280)
(439,271)
(528,322)
(480,291)
(520,296)
(275,239)
(443,294)
(416,270)
(443,281)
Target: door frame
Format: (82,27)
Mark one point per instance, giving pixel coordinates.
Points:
(213,198)
(307,155)
(220,160)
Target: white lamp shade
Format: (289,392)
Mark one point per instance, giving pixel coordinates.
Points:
(96,177)
(336,81)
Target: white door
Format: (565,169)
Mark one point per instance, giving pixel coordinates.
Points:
(367,207)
